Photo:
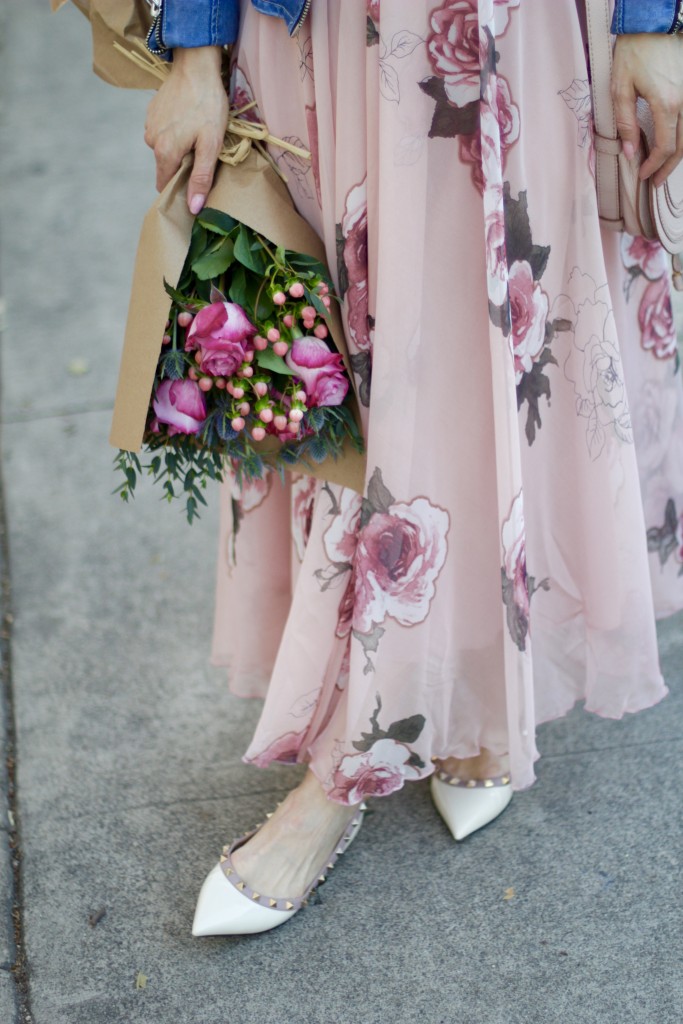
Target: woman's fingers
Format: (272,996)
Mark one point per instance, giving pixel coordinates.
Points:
(206,152)
(624,98)
(666,123)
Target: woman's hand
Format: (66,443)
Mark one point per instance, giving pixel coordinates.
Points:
(650,66)
(189,112)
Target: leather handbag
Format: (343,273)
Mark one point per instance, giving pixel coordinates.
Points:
(626,203)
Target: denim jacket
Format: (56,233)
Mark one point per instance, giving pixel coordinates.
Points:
(215,22)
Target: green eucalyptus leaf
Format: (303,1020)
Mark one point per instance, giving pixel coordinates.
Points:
(215,261)
(217,221)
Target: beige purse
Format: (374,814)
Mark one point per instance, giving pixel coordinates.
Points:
(625,202)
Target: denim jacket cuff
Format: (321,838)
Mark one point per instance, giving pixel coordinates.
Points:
(631,16)
(189,23)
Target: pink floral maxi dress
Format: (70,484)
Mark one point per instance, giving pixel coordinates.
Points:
(522,523)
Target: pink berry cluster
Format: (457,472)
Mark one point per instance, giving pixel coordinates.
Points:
(224,345)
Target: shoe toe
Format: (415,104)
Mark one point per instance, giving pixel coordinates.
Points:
(222,910)
(466,810)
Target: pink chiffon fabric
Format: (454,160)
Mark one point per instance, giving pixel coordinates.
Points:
(521,526)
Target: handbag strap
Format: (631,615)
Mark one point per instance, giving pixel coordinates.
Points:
(607,141)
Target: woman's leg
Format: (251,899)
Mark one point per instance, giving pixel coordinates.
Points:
(287,852)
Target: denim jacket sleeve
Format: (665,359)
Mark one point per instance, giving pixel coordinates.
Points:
(647,16)
(193,23)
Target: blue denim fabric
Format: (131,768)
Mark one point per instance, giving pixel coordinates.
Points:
(215,22)
(199,22)
(644,16)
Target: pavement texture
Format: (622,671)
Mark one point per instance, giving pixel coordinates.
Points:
(128,745)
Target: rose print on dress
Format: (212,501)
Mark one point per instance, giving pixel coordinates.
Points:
(667,540)
(577,96)
(461,57)
(401,550)
(384,762)
(518,588)
(242,94)
(352,269)
(304,491)
(594,366)
(656,320)
(498,131)
(642,256)
(524,317)
(245,498)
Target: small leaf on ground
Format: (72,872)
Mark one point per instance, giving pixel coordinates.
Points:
(141,980)
(77,367)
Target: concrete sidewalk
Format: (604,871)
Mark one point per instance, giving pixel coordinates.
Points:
(568,911)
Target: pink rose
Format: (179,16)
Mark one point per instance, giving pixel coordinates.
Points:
(645,255)
(354,227)
(456,48)
(284,749)
(400,553)
(220,332)
(376,772)
(529,312)
(180,404)
(320,370)
(655,316)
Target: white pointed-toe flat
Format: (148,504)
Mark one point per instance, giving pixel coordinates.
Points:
(227,905)
(468,804)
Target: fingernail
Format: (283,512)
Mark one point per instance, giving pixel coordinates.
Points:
(629,151)
(196,203)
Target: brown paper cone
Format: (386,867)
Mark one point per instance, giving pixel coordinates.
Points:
(252,193)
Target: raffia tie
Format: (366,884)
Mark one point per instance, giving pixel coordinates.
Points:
(240,134)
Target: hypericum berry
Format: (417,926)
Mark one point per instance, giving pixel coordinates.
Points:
(280,348)
(301,396)
(220,382)
(258,433)
(309,324)
(273,334)
(185,319)
(266,415)
(249,356)
(293,426)
(327,301)
(166,340)
(198,356)
(321,331)
(279,298)
(237,392)
(237,424)
(260,388)
(244,409)
(296,290)
(296,415)
(280,422)
(288,320)
(308,313)
(322,288)
(247,371)
(260,343)
(192,373)
(206,383)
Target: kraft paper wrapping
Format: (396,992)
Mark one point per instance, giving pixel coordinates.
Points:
(126,22)
(250,192)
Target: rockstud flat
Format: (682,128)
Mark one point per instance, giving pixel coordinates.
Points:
(468,804)
(227,905)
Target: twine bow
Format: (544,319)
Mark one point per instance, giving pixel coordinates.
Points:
(240,134)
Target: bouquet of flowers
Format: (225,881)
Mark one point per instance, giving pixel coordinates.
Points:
(245,375)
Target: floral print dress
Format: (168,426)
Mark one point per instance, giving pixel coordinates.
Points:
(522,520)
